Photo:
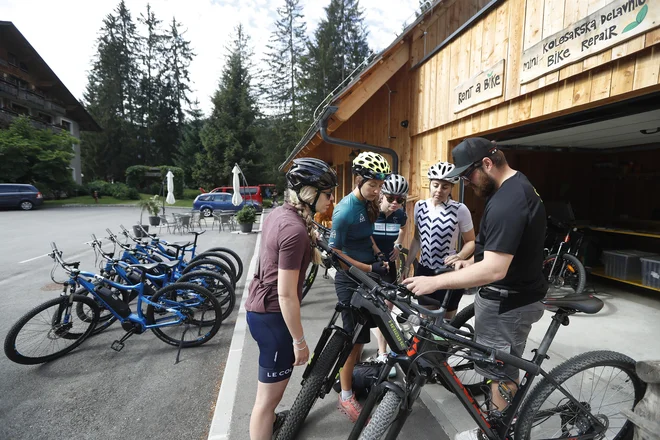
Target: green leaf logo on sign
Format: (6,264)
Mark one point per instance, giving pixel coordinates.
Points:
(641,15)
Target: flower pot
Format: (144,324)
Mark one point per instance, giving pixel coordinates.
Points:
(154,220)
(246,227)
(138,232)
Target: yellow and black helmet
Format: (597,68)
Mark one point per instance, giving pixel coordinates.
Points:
(371,165)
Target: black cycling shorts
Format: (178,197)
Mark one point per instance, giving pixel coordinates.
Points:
(276,356)
(438,295)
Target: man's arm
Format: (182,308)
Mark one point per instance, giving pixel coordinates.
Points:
(493,267)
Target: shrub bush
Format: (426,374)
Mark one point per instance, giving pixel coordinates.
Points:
(135,177)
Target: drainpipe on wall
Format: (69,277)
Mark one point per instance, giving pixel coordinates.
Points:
(323,126)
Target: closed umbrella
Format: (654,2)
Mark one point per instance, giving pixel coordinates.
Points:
(170,188)
(236,199)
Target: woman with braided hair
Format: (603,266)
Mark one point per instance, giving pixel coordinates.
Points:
(273,303)
(352,226)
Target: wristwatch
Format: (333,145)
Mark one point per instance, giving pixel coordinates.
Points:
(399,246)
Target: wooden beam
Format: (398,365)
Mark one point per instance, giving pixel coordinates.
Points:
(365,90)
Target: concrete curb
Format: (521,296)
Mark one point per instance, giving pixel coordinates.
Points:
(120,205)
(224,405)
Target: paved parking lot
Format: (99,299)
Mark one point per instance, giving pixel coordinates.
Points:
(95,392)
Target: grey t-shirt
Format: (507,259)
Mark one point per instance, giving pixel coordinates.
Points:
(285,245)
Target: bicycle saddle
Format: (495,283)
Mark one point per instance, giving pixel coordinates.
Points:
(579,302)
(169,264)
(180,244)
(146,267)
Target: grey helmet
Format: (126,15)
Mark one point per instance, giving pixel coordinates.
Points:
(395,184)
(440,170)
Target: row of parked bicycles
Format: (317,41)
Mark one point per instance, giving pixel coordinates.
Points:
(144,284)
(581,398)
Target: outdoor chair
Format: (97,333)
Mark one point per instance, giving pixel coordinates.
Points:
(227,220)
(196,218)
(164,221)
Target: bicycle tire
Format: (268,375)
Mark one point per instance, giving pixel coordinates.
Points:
(227,260)
(562,374)
(234,255)
(577,266)
(309,278)
(382,418)
(168,295)
(211,265)
(13,344)
(225,293)
(311,387)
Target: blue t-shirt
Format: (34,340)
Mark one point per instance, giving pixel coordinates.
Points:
(386,230)
(351,229)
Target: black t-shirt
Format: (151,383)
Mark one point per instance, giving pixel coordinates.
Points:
(514,223)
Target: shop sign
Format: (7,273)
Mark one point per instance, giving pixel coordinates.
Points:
(487,85)
(613,24)
(424,166)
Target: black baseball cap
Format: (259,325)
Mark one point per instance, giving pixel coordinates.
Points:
(469,151)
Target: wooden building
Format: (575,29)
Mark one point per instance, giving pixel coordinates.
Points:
(569,89)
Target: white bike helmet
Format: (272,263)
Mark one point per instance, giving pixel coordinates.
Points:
(395,184)
(440,170)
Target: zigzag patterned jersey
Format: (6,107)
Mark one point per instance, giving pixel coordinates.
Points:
(439,228)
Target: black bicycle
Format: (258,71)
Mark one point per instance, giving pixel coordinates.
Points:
(313,269)
(580,399)
(562,266)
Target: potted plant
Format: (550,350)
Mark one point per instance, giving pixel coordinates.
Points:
(246,217)
(152,206)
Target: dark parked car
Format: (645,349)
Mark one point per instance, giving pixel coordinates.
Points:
(207,203)
(18,195)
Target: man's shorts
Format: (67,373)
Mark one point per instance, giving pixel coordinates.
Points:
(438,295)
(276,356)
(507,332)
(345,288)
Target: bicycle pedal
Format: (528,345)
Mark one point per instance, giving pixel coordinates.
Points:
(117,346)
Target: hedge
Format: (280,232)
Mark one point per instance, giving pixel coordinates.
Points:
(135,177)
(117,190)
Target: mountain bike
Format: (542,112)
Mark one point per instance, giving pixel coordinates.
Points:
(561,266)
(313,269)
(180,314)
(580,399)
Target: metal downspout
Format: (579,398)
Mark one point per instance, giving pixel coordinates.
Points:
(323,127)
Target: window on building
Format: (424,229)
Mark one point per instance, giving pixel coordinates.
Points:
(20,109)
(45,117)
(23,66)
(66,125)
(11,59)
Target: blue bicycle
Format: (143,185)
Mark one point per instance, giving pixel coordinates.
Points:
(180,314)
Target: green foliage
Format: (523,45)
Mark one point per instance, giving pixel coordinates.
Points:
(267,203)
(151,205)
(247,214)
(117,190)
(31,155)
(136,178)
(190,194)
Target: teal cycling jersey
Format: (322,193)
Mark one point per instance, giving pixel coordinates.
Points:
(352,230)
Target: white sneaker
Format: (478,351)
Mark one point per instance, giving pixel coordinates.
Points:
(472,434)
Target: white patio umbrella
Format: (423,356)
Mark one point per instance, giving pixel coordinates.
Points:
(236,199)
(170,188)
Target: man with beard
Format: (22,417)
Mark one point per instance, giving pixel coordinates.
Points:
(507,261)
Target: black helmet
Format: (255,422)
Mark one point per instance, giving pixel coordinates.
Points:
(308,171)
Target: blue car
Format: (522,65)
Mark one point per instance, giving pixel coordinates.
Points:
(207,203)
(17,195)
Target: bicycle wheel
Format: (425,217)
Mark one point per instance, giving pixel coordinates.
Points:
(217,285)
(603,381)
(464,368)
(311,388)
(48,332)
(568,277)
(106,318)
(212,265)
(383,417)
(221,256)
(310,276)
(200,308)
(234,255)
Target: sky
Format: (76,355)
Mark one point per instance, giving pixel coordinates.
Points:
(64,32)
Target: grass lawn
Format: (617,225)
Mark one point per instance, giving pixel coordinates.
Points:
(106,200)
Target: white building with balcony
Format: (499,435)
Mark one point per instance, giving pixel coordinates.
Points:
(29,87)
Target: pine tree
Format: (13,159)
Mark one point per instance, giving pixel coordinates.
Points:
(191,143)
(229,135)
(179,55)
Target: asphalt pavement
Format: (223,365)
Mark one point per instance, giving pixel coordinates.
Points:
(94,392)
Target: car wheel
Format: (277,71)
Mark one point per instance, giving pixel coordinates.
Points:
(26,205)
(206,212)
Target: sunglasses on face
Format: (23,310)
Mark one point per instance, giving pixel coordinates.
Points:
(391,199)
(469,171)
(328,193)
